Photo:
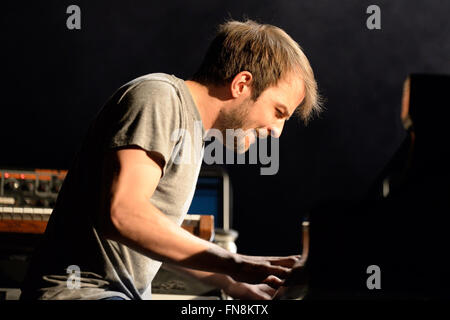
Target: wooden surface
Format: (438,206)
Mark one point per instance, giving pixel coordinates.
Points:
(23,226)
(203,228)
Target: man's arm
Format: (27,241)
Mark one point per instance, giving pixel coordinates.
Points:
(130,176)
(241,290)
(234,289)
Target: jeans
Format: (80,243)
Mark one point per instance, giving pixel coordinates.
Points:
(113,298)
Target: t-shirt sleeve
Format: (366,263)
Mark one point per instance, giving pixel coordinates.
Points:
(145,115)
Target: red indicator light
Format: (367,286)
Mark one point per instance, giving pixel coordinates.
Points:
(6,175)
(22,176)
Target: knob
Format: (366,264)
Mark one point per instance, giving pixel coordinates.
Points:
(43,203)
(28,186)
(12,185)
(56,187)
(43,186)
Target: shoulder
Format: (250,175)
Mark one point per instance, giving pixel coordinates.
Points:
(151,87)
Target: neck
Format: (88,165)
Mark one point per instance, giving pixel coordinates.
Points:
(209,101)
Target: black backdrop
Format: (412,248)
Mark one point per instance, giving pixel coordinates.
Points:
(55,80)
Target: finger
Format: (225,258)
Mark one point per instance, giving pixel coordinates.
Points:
(293,257)
(288,262)
(273,281)
(279,271)
(296,276)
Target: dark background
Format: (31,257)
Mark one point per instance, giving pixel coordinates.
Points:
(55,80)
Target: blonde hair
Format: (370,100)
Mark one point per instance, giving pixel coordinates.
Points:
(264,50)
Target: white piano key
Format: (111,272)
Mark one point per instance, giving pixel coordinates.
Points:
(38,210)
(48,211)
(7,200)
(7,209)
(17,210)
(28,210)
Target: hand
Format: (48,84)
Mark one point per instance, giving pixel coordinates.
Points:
(296,275)
(246,291)
(256,269)
(295,284)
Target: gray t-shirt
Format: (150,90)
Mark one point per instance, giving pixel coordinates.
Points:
(156,113)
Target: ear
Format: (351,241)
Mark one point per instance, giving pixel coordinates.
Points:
(241,84)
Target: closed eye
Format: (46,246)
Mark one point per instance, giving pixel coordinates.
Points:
(280,114)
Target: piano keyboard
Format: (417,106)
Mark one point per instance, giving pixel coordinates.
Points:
(27,198)
(24,213)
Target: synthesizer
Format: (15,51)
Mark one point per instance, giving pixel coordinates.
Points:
(27,199)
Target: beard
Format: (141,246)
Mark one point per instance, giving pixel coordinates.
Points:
(234,122)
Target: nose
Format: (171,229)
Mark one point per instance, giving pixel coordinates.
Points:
(275,129)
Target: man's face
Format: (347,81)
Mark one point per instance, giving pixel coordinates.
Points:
(263,117)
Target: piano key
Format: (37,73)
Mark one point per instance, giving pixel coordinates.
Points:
(17,210)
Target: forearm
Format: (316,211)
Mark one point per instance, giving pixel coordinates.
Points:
(234,289)
(146,229)
(217,280)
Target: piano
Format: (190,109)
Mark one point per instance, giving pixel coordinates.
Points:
(403,223)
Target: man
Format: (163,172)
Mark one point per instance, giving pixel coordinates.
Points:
(118,215)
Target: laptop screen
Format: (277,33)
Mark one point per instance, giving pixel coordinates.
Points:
(211,197)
